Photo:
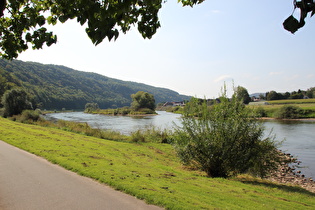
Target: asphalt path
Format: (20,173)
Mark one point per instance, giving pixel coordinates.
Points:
(28,182)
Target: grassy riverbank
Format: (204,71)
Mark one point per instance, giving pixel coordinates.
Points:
(298,108)
(151,171)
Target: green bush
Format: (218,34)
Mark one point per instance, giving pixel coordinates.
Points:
(260,112)
(289,112)
(137,136)
(29,116)
(225,140)
(152,134)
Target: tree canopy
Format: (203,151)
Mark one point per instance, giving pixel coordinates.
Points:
(241,94)
(23,23)
(142,100)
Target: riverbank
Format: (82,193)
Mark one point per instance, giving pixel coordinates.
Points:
(299,119)
(150,171)
(290,174)
(126,111)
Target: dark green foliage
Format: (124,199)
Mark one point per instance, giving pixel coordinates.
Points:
(241,94)
(29,116)
(57,87)
(142,100)
(224,140)
(306,6)
(22,23)
(90,107)
(260,112)
(272,95)
(289,112)
(15,101)
(152,134)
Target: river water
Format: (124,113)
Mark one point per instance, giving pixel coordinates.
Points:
(299,135)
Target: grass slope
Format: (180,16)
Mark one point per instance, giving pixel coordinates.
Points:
(151,171)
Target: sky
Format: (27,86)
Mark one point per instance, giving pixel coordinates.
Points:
(198,50)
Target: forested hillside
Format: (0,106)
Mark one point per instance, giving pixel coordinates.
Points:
(57,87)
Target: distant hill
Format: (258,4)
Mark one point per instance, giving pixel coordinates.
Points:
(257,94)
(57,87)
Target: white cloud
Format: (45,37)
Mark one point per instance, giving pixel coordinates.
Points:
(223,78)
(275,73)
(215,11)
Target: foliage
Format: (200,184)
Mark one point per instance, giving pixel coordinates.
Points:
(273,108)
(288,112)
(224,140)
(260,112)
(29,116)
(15,101)
(90,107)
(306,6)
(23,22)
(300,94)
(57,87)
(272,95)
(152,134)
(124,111)
(142,100)
(241,94)
(151,172)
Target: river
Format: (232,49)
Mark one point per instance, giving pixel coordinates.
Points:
(299,135)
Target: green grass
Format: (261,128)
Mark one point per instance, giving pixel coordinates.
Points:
(151,171)
(293,101)
(271,109)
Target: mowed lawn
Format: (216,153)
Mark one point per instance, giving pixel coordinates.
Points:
(151,171)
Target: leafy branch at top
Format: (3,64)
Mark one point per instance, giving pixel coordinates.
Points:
(306,6)
(22,23)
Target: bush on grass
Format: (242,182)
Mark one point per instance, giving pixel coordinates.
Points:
(225,140)
(289,112)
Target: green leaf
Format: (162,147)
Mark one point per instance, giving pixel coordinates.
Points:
(291,24)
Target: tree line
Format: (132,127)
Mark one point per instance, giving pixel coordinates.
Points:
(300,94)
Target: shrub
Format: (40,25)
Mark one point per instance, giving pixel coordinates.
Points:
(29,116)
(260,112)
(288,112)
(90,107)
(225,140)
(137,136)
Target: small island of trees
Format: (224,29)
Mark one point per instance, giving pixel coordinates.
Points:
(143,103)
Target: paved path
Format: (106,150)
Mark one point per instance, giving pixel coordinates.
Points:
(29,182)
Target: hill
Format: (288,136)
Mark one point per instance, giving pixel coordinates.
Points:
(57,87)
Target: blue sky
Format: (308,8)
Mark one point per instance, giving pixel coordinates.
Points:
(197,49)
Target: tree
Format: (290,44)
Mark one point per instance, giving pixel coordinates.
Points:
(23,22)
(241,94)
(142,100)
(90,107)
(272,95)
(15,101)
(224,140)
(311,92)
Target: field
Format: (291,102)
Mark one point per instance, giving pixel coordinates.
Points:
(151,171)
(272,107)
